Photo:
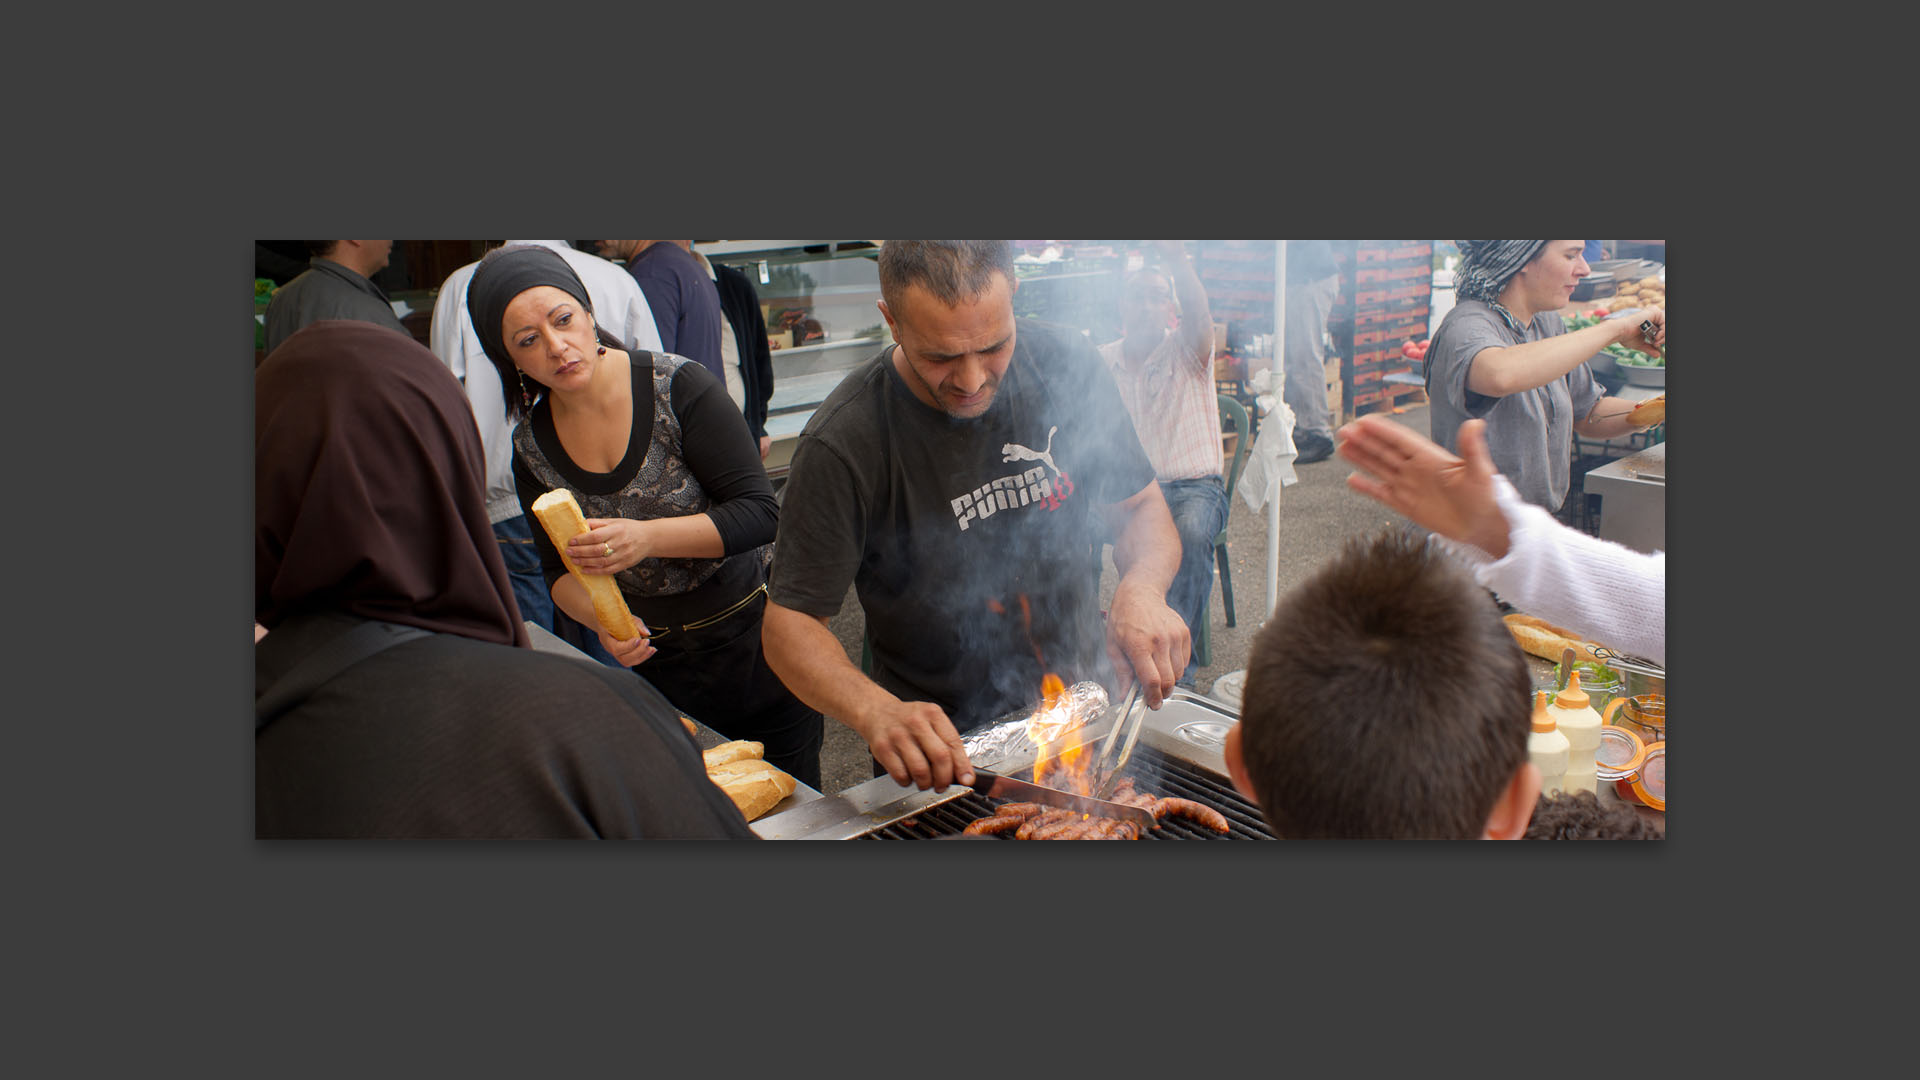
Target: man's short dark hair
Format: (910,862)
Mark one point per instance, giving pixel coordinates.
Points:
(1579,815)
(1385,698)
(952,270)
(320,249)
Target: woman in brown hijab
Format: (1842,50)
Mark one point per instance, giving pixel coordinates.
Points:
(369,506)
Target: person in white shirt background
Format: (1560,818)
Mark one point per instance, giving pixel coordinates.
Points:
(620,307)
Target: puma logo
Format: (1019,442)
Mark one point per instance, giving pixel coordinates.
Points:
(1011,452)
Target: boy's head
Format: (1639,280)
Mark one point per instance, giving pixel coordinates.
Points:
(1385,698)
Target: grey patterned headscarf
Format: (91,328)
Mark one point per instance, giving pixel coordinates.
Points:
(1486,268)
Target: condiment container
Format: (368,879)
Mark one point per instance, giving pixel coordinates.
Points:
(1547,747)
(1601,683)
(1648,785)
(1644,714)
(1620,754)
(1573,714)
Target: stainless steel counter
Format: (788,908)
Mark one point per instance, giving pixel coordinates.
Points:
(1633,498)
(545,641)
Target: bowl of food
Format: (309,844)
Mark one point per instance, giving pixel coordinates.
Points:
(1638,368)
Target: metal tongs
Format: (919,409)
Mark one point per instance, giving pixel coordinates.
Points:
(1119,743)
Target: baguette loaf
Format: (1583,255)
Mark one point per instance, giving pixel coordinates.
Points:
(1540,638)
(729,752)
(1649,412)
(560,515)
(753,785)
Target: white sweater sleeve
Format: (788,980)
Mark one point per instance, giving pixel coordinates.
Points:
(1613,594)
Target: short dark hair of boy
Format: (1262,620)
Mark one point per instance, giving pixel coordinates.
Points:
(951,270)
(1578,815)
(1385,698)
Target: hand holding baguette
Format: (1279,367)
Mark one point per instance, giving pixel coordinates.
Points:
(560,515)
(1649,413)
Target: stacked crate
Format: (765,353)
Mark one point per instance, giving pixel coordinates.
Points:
(1238,277)
(1386,293)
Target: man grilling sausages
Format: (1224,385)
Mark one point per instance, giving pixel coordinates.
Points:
(956,481)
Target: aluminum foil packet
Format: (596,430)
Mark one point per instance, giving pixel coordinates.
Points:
(1010,741)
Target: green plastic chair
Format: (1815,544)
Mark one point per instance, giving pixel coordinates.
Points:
(1234,413)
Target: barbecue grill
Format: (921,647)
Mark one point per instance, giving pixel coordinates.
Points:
(1178,755)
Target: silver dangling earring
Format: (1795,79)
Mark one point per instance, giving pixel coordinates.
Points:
(602,349)
(526,399)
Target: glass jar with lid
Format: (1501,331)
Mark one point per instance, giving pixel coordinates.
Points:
(1648,785)
(1645,715)
(1620,754)
(1602,683)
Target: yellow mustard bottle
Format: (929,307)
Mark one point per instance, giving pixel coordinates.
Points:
(1572,712)
(1547,747)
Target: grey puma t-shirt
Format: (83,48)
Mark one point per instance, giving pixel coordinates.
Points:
(944,526)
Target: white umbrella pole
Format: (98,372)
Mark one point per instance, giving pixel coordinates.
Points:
(1280,368)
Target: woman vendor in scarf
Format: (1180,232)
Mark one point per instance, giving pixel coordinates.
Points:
(678,507)
(1503,354)
(369,506)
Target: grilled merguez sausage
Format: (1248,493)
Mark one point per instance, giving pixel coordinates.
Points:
(1205,815)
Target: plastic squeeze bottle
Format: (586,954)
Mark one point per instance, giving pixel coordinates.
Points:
(1572,712)
(1547,747)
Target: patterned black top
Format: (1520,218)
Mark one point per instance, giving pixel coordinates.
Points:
(691,453)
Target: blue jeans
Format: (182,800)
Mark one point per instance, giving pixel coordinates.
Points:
(530,589)
(1199,513)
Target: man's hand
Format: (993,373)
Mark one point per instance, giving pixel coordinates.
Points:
(914,741)
(766,446)
(1147,641)
(1417,478)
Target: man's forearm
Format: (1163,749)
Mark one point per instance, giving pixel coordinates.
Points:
(1146,550)
(809,659)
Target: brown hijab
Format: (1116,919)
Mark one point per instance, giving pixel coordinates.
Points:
(368,488)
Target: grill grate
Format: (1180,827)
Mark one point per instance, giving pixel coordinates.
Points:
(1152,772)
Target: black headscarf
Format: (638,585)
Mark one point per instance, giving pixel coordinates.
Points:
(369,488)
(506,274)
(1487,267)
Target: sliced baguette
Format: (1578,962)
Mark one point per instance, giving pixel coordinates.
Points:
(1540,638)
(729,752)
(754,786)
(1649,412)
(560,515)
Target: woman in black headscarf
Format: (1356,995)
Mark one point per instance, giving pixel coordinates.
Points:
(1503,354)
(679,508)
(370,508)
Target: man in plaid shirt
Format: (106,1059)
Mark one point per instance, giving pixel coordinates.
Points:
(1164,365)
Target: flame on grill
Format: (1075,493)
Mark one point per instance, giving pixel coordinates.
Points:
(1067,769)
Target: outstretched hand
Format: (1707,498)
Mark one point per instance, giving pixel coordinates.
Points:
(1417,478)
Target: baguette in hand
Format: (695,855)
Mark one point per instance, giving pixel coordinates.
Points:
(753,785)
(1649,412)
(560,515)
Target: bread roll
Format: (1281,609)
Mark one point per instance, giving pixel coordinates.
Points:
(729,752)
(1652,283)
(754,786)
(1540,638)
(560,515)
(1649,412)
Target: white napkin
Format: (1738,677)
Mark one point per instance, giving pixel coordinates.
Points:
(1270,463)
